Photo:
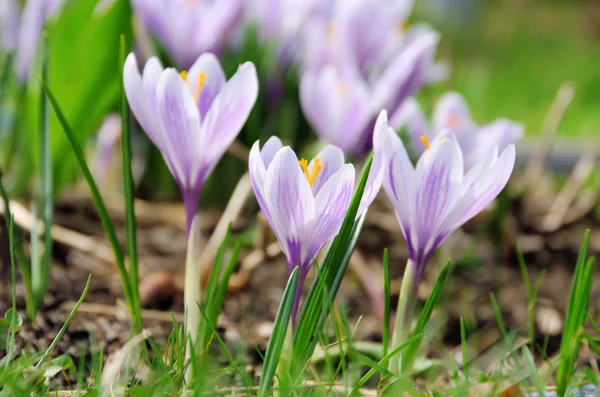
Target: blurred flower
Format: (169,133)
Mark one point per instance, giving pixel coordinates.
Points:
(337,106)
(192,117)
(35,14)
(9,24)
(305,203)
(452,114)
(188,28)
(342,107)
(436,197)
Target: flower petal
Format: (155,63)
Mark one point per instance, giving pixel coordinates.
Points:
(332,159)
(258,174)
(269,149)
(139,99)
(208,65)
(227,115)
(332,203)
(435,187)
(452,113)
(411,117)
(291,205)
(374,181)
(482,189)
(179,116)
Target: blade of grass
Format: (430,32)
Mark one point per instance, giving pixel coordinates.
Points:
(65,325)
(533,371)
(463,344)
(383,362)
(575,318)
(385,335)
(128,187)
(132,305)
(329,278)
(13,276)
(280,329)
(22,261)
(410,355)
(42,270)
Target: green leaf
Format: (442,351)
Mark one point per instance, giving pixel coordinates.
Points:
(59,364)
(328,279)
(10,317)
(280,329)
(83,52)
(385,337)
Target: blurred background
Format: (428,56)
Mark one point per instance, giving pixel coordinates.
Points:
(509,58)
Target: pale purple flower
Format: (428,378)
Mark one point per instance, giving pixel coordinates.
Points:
(305,203)
(337,106)
(437,196)
(342,107)
(452,114)
(188,28)
(192,117)
(9,24)
(35,14)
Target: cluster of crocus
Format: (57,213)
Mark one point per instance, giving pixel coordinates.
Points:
(305,203)
(188,28)
(192,117)
(21,33)
(353,68)
(451,114)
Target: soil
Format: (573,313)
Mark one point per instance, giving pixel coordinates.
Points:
(484,262)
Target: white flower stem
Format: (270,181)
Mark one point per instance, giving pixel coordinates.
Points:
(404,315)
(192,295)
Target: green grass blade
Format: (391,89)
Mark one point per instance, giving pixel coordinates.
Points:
(275,346)
(425,315)
(387,295)
(215,273)
(463,344)
(329,277)
(575,318)
(133,306)
(22,261)
(384,361)
(533,371)
(66,324)
(13,275)
(128,187)
(41,273)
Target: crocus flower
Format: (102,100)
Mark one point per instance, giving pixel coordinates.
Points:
(337,106)
(436,197)
(9,24)
(192,117)
(35,14)
(188,28)
(305,203)
(342,107)
(452,114)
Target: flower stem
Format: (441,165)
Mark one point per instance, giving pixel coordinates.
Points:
(404,314)
(190,202)
(192,295)
(303,271)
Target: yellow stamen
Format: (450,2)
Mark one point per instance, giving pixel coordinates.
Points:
(425,141)
(453,120)
(316,169)
(402,26)
(199,84)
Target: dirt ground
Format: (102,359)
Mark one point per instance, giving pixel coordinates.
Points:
(484,261)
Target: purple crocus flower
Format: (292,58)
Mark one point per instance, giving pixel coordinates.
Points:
(35,14)
(9,24)
(452,114)
(305,203)
(192,117)
(337,106)
(436,197)
(342,107)
(188,28)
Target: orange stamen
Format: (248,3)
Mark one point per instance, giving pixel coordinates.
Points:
(425,141)
(316,169)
